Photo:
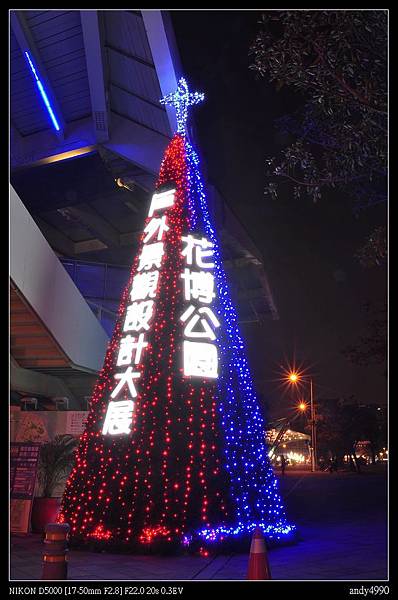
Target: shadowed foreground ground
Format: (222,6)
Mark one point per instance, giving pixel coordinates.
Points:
(342,518)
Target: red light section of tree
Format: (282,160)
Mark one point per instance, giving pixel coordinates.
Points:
(165,477)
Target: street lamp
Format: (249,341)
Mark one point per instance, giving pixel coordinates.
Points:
(294,378)
(302,406)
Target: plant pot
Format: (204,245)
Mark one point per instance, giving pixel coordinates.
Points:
(44,510)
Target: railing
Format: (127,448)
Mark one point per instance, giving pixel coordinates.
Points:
(105,316)
(101,285)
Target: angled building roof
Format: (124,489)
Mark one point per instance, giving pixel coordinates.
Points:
(88,134)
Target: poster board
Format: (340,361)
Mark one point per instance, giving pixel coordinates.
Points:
(75,421)
(24,458)
(32,426)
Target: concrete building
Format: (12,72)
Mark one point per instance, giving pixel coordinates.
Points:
(87,134)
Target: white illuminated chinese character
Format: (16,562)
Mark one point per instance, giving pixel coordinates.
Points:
(150,256)
(127,345)
(144,285)
(139,345)
(118,417)
(200,359)
(138,316)
(126,378)
(198,285)
(125,351)
(155,225)
(162,200)
(198,247)
(207,331)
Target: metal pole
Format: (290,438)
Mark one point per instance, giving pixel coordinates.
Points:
(313,431)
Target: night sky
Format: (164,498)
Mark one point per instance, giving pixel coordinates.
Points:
(308,249)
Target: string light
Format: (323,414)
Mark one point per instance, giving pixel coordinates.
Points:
(194,466)
(181,100)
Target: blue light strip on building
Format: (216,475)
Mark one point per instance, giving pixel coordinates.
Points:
(43,93)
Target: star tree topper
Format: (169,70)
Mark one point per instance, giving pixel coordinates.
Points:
(181,99)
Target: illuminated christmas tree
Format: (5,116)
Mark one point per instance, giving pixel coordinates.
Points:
(174,452)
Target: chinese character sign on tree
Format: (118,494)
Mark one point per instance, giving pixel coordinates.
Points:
(174,449)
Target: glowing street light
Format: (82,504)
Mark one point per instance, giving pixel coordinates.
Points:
(294,378)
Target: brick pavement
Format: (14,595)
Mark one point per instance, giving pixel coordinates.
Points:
(343,533)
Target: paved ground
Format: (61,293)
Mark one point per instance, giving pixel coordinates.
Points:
(342,522)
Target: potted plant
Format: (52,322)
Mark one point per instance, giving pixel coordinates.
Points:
(55,462)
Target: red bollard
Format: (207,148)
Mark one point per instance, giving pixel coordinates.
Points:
(55,564)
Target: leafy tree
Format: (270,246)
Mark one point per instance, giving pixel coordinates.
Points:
(341,424)
(371,428)
(329,439)
(337,61)
(371,348)
(374,252)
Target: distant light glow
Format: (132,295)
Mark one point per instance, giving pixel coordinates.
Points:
(296,457)
(43,93)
